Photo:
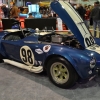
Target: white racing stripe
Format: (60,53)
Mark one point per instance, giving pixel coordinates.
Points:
(81,26)
(95,48)
(88,39)
(75,17)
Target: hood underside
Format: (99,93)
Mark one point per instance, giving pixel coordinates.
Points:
(74,22)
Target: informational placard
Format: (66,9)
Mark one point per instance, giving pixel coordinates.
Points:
(59,24)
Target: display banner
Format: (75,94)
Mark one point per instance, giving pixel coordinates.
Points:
(59,24)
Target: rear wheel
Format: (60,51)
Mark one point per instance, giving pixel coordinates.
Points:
(61,73)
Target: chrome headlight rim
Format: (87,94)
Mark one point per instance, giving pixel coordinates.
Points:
(92,63)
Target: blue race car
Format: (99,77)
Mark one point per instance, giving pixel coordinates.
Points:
(65,57)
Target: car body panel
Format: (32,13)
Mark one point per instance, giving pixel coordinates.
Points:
(79,59)
(12,48)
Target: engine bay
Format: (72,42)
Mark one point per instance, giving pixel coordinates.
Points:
(62,39)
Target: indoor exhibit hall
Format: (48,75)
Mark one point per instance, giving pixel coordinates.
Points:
(49,50)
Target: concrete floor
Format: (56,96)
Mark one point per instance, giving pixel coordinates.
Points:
(19,84)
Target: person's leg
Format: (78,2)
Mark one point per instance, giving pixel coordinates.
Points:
(86,23)
(98,23)
(4,15)
(94,27)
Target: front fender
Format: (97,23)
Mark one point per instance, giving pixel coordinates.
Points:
(97,41)
(78,58)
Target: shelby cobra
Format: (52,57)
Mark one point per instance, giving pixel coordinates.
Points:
(64,57)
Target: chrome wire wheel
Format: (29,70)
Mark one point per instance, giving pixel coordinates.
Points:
(59,73)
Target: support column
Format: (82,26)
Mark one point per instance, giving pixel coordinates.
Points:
(24,3)
(17,2)
(8,3)
(20,2)
(3,1)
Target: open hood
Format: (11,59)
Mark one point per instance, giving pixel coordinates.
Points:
(74,22)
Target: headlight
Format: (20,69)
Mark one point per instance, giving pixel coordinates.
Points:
(92,63)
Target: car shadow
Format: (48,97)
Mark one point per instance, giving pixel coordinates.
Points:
(42,79)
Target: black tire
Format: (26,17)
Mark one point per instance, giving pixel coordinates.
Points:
(61,73)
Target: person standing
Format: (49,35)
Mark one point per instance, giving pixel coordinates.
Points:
(14,12)
(5,11)
(81,11)
(95,15)
(30,15)
(91,20)
(87,17)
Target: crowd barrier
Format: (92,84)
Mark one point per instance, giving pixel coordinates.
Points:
(7,23)
(40,23)
(35,23)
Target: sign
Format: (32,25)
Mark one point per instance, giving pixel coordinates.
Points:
(59,25)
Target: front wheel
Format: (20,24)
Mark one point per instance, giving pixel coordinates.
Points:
(61,72)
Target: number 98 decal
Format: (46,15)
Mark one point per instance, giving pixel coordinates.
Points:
(89,40)
(27,55)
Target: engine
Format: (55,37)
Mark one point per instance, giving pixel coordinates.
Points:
(66,40)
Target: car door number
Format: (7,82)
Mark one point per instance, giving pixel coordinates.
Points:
(27,55)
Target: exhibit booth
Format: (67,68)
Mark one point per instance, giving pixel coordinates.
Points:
(38,21)
(30,8)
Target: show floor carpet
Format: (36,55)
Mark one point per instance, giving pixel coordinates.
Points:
(19,84)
